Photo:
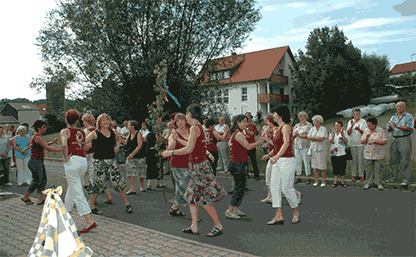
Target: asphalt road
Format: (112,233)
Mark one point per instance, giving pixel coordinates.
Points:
(340,221)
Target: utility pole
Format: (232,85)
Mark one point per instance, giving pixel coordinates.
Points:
(411,69)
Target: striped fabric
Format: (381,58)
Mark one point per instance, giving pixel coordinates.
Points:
(57,234)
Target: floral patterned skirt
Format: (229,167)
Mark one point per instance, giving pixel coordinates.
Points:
(105,173)
(136,167)
(202,188)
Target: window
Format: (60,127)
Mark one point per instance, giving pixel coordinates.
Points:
(219,97)
(226,74)
(219,75)
(212,76)
(225,95)
(244,95)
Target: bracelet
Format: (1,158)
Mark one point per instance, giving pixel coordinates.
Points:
(173,153)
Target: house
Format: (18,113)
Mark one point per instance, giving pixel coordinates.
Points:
(42,110)
(253,82)
(21,112)
(4,120)
(403,69)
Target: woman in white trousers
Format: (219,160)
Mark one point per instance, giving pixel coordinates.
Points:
(283,168)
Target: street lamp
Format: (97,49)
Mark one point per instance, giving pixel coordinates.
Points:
(411,69)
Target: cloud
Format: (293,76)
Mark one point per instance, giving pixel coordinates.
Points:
(258,39)
(296,5)
(269,8)
(367,23)
(295,31)
(324,22)
(310,11)
(339,5)
(407,8)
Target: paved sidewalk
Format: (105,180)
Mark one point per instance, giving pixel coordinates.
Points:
(19,223)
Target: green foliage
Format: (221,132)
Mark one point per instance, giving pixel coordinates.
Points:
(379,69)
(330,76)
(4,101)
(55,124)
(109,49)
(259,117)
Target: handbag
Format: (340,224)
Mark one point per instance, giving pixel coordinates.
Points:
(348,154)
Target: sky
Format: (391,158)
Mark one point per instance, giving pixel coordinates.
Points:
(374,26)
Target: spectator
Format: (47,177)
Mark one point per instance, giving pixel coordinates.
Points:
(5,147)
(265,130)
(124,132)
(21,144)
(355,129)
(251,132)
(301,145)
(401,126)
(144,130)
(9,132)
(222,145)
(338,139)
(373,139)
(317,150)
(30,131)
(120,154)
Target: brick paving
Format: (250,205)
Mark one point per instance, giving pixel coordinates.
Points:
(19,224)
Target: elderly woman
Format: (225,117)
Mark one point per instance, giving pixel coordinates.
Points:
(338,139)
(21,144)
(374,139)
(301,145)
(317,149)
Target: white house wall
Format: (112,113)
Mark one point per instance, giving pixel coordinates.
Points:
(236,106)
(28,116)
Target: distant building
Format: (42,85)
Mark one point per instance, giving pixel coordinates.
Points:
(21,112)
(42,110)
(403,69)
(253,82)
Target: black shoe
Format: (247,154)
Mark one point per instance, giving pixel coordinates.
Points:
(258,179)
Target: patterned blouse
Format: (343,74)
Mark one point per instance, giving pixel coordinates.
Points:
(339,145)
(300,143)
(315,145)
(374,151)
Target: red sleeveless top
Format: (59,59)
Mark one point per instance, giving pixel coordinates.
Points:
(211,145)
(37,150)
(76,142)
(278,143)
(238,153)
(199,153)
(179,161)
(270,146)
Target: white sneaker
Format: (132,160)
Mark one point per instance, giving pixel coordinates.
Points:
(266,200)
(323,184)
(231,215)
(239,213)
(9,184)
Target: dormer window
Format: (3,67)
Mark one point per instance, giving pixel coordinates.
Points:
(219,75)
(226,74)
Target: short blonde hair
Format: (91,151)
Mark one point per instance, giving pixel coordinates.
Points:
(100,118)
(89,118)
(318,118)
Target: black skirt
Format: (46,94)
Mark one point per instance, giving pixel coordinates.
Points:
(339,164)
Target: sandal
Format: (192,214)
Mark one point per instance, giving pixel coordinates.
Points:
(109,201)
(308,182)
(353,179)
(129,209)
(366,187)
(149,188)
(215,232)
(176,213)
(27,201)
(40,203)
(295,219)
(335,185)
(160,186)
(343,184)
(171,201)
(189,231)
(96,211)
(380,187)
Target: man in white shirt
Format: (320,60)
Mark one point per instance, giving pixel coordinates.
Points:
(223,160)
(355,130)
(144,130)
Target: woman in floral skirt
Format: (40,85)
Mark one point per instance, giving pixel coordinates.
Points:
(202,189)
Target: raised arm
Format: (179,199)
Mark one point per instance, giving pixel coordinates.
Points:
(193,135)
(243,141)
(45,145)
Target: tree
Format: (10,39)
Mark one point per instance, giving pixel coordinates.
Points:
(120,42)
(330,76)
(379,68)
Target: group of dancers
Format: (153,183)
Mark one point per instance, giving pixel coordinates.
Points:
(195,185)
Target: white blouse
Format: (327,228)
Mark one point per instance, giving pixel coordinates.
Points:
(315,145)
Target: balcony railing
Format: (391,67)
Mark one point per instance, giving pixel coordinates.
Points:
(272,98)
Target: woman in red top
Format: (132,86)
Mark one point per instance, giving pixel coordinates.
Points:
(283,167)
(268,133)
(202,189)
(238,163)
(212,136)
(75,166)
(36,166)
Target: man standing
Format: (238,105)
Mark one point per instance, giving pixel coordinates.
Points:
(355,130)
(401,126)
(222,145)
(251,132)
(5,147)
(30,131)
(124,131)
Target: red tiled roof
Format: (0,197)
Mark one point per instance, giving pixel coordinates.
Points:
(250,66)
(42,108)
(404,67)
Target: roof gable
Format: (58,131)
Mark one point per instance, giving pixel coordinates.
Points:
(249,66)
(23,106)
(403,67)
(42,108)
